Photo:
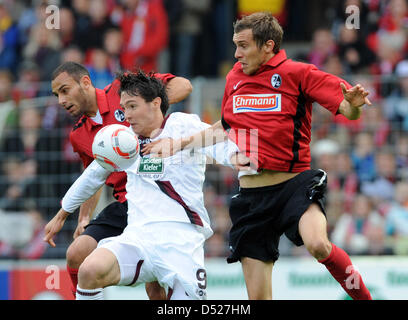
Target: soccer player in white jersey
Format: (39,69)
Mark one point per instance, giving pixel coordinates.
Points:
(167,220)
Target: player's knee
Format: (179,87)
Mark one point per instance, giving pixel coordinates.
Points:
(319,248)
(91,274)
(79,250)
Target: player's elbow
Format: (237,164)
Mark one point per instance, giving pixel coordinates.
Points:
(188,86)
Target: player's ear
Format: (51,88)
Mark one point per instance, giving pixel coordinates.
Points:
(85,82)
(157,102)
(269,46)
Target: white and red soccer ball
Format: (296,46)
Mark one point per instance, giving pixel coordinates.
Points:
(115,147)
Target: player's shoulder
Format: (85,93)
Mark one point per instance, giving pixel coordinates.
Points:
(298,65)
(182,118)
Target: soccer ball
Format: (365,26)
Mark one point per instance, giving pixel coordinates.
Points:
(115,147)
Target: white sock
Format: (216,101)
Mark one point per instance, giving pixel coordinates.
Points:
(89,294)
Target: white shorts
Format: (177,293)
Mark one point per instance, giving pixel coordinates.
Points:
(171,253)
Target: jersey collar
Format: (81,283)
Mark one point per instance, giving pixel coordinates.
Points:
(102,101)
(277,59)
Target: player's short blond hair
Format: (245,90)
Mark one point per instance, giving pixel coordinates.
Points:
(264,27)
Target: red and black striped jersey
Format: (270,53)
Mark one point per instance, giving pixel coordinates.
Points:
(268,114)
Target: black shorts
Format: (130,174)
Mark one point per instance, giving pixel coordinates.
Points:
(110,222)
(261,215)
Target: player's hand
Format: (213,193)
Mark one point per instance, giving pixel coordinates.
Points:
(356,96)
(241,162)
(162,148)
(54,226)
(80,228)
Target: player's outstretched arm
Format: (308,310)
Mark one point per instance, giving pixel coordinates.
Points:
(354,99)
(90,181)
(167,147)
(54,226)
(178,89)
(85,213)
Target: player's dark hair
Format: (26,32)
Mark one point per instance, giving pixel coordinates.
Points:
(264,27)
(144,85)
(75,70)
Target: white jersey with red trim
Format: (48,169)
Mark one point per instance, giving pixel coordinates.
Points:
(162,190)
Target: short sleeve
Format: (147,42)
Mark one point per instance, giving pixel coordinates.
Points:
(164,77)
(323,88)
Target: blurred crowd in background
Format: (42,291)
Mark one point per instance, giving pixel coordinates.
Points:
(366,160)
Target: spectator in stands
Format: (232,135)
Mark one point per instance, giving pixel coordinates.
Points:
(395,17)
(145,34)
(72,53)
(43,48)
(360,231)
(368,16)
(363,156)
(186,32)
(390,42)
(7,106)
(401,156)
(396,104)
(353,51)
(28,82)
(333,65)
(344,180)
(8,40)
(6,81)
(18,187)
(80,9)
(113,44)
(39,156)
(323,45)
(67,27)
(30,246)
(374,122)
(99,23)
(26,20)
(381,188)
(397,219)
(99,71)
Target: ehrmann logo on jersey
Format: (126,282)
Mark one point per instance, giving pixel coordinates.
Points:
(257,103)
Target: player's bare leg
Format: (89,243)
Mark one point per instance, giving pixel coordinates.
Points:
(79,250)
(99,270)
(313,230)
(258,278)
(155,291)
(76,254)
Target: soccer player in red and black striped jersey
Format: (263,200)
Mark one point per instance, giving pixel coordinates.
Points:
(266,111)
(97,108)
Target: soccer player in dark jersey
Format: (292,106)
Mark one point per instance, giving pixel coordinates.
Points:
(96,107)
(266,110)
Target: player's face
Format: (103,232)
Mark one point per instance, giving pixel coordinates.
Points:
(71,94)
(248,53)
(143,117)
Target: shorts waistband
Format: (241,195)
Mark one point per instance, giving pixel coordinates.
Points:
(300,178)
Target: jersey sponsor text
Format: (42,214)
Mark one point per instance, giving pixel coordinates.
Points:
(257,103)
